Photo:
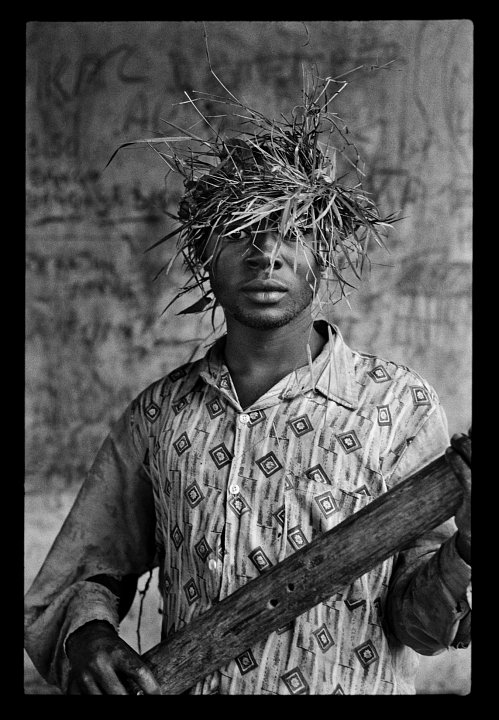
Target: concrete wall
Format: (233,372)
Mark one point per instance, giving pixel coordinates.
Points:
(94,331)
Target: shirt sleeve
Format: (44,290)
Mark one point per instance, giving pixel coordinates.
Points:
(427,603)
(110,530)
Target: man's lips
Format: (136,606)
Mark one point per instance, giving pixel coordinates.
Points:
(264,286)
(264,292)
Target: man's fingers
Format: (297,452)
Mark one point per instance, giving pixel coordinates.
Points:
(145,680)
(88,685)
(460,468)
(104,679)
(110,682)
(462,445)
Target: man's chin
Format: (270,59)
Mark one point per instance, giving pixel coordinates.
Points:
(263,320)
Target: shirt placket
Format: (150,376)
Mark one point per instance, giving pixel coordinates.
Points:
(223,566)
(235,505)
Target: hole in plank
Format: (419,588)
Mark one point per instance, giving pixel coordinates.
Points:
(290,587)
(273,603)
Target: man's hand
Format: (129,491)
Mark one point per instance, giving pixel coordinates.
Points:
(103,664)
(459,458)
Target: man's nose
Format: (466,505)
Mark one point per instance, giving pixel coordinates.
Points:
(263,252)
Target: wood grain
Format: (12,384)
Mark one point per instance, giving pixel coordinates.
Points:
(322,568)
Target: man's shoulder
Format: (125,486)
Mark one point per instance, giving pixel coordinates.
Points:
(168,388)
(379,373)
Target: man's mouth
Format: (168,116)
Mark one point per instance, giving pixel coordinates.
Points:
(264,291)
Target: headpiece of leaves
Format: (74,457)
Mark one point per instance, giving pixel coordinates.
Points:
(278,172)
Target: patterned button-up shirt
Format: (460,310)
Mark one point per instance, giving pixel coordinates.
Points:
(215,494)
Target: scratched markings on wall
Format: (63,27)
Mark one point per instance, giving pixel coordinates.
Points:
(95,333)
(420,161)
(82,106)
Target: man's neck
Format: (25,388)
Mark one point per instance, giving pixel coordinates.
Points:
(258,358)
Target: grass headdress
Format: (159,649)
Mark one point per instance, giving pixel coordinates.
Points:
(283,172)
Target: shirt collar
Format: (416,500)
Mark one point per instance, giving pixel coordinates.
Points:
(332,373)
(337,376)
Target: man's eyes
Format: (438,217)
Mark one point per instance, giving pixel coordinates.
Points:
(236,235)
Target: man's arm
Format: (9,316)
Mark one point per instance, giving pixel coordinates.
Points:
(124,590)
(459,458)
(101,662)
(427,604)
(90,573)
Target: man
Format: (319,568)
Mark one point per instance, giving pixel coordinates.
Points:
(224,467)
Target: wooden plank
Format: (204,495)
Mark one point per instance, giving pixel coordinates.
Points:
(322,568)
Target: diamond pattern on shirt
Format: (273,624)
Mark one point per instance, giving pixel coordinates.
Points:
(295,682)
(384,415)
(182,444)
(379,374)
(269,464)
(238,505)
(302,458)
(323,637)
(221,456)
(180,404)
(152,412)
(255,417)
(191,591)
(280,515)
(349,441)
(366,653)
(301,425)
(317,474)
(184,531)
(194,494)
(259,559)
(327,504)
(354,604)
(420,396)
(215,408)
(246,662)
(202,548)
(177,537)
(296,537)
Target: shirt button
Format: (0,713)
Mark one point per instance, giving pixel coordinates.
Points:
(212,564)
(244,418)
(234,489)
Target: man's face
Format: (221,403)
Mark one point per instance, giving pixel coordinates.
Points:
(252,290)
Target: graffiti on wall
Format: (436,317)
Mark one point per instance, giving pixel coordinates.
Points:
(93,315)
